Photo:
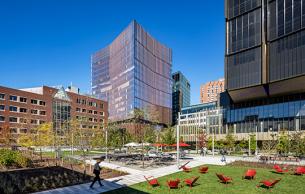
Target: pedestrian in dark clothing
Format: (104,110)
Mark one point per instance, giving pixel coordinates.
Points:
(223,158)
(97,172)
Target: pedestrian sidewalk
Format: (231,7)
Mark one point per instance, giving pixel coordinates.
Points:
(134,176)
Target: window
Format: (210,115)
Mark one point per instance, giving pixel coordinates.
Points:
(23,130)
(42,112)
(101,120)
(2,118)
(23,110)
(2,96)
(102,113)
(13,108)
(13,119)
(34,112)
(13,98)
(13,130)
(83,101)
(102,105)
(23,99)
(84,110)
(95,112)
(2,107)
(90,111)
(78,101)
(42,103)
(41,122)
(77,109)
(90,103)
(33,101)
(34,121)
(22,120)
(90,119)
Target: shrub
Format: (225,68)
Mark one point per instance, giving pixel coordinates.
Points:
(10,158)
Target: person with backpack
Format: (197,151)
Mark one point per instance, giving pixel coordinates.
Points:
(97,171)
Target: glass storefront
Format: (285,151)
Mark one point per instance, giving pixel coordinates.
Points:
(275,114)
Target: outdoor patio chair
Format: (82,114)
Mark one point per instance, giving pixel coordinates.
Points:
(186,169)
(224,179)
(268,183)
(190,182)
(173,184)
(203,169)
(278,169)
(250,174)
(300,170)
(152,181)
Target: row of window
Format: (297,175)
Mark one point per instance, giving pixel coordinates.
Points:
(238,7)
(285,16)
(244,31)
(86,119)
(15,130)
(22,110)
(287,56)
(90,103)
(22,99)
(244,69)
(21,120)
(83,110)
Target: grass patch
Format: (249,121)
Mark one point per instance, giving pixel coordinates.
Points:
(208,183)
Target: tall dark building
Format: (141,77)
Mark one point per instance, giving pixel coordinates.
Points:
(265,66)
(181,94)
(134,72)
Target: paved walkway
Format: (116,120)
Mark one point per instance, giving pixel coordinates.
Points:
(134,176)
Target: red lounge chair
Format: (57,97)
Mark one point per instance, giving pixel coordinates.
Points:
(190,182)
(203,169)
(250,174)
(173,184)
(299,170)
(268,183)
(278,169)
(224,179)
(186,169)
(152,181)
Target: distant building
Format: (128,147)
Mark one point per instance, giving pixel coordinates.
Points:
(24,109)
(199,118)
(209,92)
(134,72)
(181,94)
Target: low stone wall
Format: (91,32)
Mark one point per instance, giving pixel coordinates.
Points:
(39,179)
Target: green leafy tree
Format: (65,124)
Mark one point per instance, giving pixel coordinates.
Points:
(168,135)
(252,142)
(243,144)
(297,144)
(283,143)
(229,142)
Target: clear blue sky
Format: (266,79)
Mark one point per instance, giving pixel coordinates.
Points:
(49,42)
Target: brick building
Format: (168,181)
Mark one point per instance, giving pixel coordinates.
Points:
(209,91)
(24,109)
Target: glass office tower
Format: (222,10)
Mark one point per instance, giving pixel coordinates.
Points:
(181,94)
(134,72)
(265,65)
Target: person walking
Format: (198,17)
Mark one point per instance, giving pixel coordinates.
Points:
(97,172)
(223,158)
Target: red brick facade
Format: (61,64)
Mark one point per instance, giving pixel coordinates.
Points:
(209,92)
(21,110)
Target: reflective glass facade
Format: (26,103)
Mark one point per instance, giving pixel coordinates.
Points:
(273,114)
(134,71)
(181,94)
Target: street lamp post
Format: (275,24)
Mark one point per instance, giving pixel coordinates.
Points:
(178,135)
(106,143)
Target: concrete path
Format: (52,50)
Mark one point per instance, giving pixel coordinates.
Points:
(134,176)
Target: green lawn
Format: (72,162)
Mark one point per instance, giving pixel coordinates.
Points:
(208,183)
